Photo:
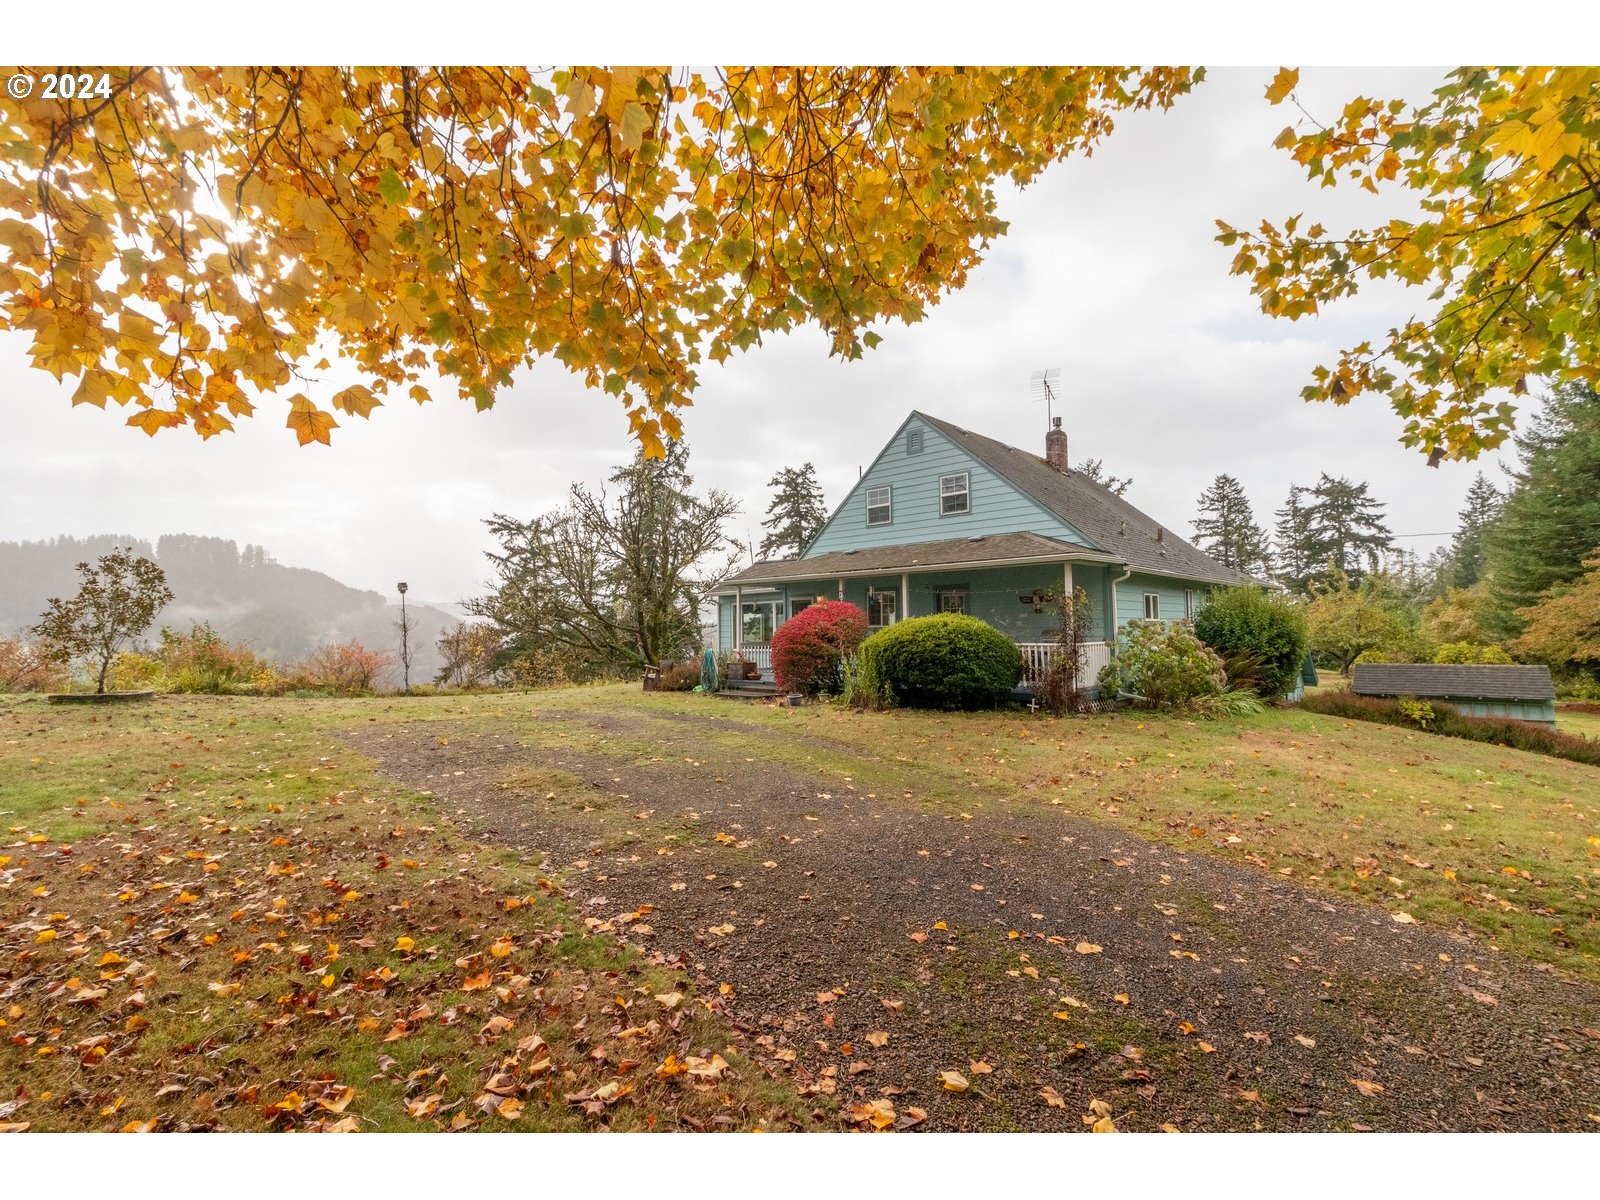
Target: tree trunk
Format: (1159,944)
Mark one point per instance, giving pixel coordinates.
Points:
(100,685)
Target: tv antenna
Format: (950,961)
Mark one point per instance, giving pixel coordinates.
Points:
(1046,385)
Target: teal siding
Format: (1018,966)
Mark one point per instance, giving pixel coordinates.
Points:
(1131,593)
(1095,580)
(725,623)
(995,506)
(1516,710)
(994,594)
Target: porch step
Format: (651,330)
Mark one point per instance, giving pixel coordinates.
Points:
(750,689)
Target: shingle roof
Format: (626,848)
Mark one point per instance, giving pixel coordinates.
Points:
(1442,680)
(911,555)
(1108,520)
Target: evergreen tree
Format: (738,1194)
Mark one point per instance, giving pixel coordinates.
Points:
(796,514)
(1344,529)
(1093,468)
(1549,522)
(1226,528)
(1291,541)
(1481,507)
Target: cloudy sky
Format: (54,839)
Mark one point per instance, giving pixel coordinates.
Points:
(1169,373)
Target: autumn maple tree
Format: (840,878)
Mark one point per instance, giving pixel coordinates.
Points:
(118,597)
(1504,164)
(205,238)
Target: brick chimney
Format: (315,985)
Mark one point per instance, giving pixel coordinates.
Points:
(1055,446)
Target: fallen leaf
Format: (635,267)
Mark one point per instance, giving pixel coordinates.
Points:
(1366,1087)
(1305,1041)
(953,1081)
(1052,1097)
(1087,948)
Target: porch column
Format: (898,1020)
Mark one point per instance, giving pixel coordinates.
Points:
(738,616)
(841,589)
(905,595)
(1066,577)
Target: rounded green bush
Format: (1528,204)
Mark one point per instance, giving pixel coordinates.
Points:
(944,661)
(1245,624)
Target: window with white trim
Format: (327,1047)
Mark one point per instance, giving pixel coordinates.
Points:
(951,600)
(1152,606)
(880,609)
(954,494)
(759,619)
(1188,604)
(880,505)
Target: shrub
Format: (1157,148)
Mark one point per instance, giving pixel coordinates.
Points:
(1448,721)
(201,661)
(1166,664)
(1419,712)
(1470,652)
(343,668)
(27,667)
(679,677)
(1059,689)
(1261,638)
(136,672)
(808,648)
(945,661)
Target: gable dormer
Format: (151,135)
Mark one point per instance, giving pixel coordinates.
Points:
(923,487)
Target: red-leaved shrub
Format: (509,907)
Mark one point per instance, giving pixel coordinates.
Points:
(807,648)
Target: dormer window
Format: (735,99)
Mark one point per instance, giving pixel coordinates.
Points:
(954,495)
(880,506)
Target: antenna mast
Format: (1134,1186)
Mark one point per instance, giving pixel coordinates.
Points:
(1045,385)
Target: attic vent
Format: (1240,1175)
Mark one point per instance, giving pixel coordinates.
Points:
(913,441)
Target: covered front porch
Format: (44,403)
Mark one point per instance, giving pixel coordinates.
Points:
(1019,600)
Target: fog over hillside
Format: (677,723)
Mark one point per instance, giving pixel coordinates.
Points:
(282,612)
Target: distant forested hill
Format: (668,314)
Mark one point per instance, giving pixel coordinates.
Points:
(281,612)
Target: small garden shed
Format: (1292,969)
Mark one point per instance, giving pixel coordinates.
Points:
(1522,693)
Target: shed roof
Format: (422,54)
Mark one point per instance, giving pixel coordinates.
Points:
(1444,680)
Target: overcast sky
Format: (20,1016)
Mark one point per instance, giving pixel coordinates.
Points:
(1170,374)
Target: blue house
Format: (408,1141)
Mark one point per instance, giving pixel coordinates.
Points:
(946,520)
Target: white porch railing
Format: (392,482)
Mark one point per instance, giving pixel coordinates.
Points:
(760,655)
(1036,657)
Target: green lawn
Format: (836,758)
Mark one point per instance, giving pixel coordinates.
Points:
(222,916)
(1584,724)
(217,915)
(1498,842)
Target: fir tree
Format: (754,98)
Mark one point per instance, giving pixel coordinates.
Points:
(796,514)
(1344,529)
(1480,509)
(1291,541)
(1093,468)
(1550,520)
(1226,528)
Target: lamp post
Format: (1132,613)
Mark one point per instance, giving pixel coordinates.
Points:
(405,648)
